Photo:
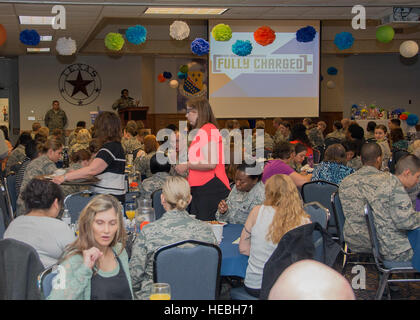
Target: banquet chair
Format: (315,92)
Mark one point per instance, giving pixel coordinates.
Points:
(5,205)
(2,224)
(45,281)
(193,272)
(317,212)
(10,185)
(321,192)
(157,204)
(75,203)
(385,267)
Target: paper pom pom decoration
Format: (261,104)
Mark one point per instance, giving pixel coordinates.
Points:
(174,84)
(179,30)
(167,75)
(343,40)
(242,47)
(412,119)
(221,32)
(161,78)
(409,49)
(332,71)
(114,41)
(136,34)
(403,116)
(29,37)
(3,35)
(306,34)
(385,34)
(200,47)
(66,47)
(264,35)
(330,84)
(355,106)
(182,75)
(183,68)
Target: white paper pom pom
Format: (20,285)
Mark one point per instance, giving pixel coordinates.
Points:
(174,84)
(179,30)
(331,84)
(66,47)
(409,49)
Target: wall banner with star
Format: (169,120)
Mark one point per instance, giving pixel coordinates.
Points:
(80,84)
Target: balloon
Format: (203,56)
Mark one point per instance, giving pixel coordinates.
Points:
(174,84)
(330,84)
(409,49)
(3,35)
(385,34)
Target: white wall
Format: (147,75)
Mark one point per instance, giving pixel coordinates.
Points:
(38,85)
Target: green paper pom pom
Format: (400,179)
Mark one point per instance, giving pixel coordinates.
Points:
(385,34)
(221,32)
(183,68)
(114,41)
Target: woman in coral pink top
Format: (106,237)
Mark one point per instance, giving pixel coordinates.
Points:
(207,176)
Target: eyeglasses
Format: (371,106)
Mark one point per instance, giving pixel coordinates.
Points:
(189,110)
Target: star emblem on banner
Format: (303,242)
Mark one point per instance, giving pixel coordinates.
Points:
(79,85)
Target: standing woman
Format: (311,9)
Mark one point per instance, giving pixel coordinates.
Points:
(207,176)
(109,163)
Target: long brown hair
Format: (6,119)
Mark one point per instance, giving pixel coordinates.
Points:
(281,193)
(205,113)
(107,127)
(150,143)
(86,239)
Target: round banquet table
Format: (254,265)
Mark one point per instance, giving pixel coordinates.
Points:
(233,263)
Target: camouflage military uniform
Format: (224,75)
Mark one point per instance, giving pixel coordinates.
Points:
(55,119)
(241,203)
(37,167)
(268,142)
(78,146)
(17,156)
(122,103)
(69,189)
(142,164)
(316,137)
(413,192)
(355,163)
(278,137)
(174,226)
(149,185)
(130,144)
(392,210)
(386,153)
(338,134)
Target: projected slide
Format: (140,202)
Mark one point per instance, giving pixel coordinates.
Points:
(277,80)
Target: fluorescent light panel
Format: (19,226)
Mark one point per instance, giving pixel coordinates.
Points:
(46,38)
(36,20)
(192,11)
(36,50)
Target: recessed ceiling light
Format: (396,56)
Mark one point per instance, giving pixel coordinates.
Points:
(36,20)
(46,38)
(36,50)
(197,11)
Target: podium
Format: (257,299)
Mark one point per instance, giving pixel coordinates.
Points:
(134,113)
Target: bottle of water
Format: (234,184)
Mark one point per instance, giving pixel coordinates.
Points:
(66,217)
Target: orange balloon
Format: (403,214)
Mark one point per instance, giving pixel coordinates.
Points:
(3,35)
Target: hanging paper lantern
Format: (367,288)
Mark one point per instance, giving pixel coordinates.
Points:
(66,47)
(409,49)
(221,32)
(179,30)
(3,35)
(174,84)
(264,35)
(136,34)
(114,41)
(200,47)
(167,75)
(332,71)
(161,78)
(306,34)
(412,119)
(385,34)
(182,75)
(242,47)
(343,40)
(330,84)
(29,37)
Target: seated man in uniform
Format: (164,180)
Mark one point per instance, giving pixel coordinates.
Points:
(392,208)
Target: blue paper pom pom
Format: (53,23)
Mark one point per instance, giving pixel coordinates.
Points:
(182,75)
(412,119)
(29,37)
(242,47)
(332,71)
(355,106)
(306,34)
(200,47)
(343,40)
(167,75)
(136,34)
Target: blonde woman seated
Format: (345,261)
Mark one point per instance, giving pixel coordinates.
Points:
(174,226)
(83,138)
(281,212)
(95,266)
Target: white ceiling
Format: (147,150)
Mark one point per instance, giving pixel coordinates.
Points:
(92,19)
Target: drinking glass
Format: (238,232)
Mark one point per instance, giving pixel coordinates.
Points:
(130,211)
(160,291)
